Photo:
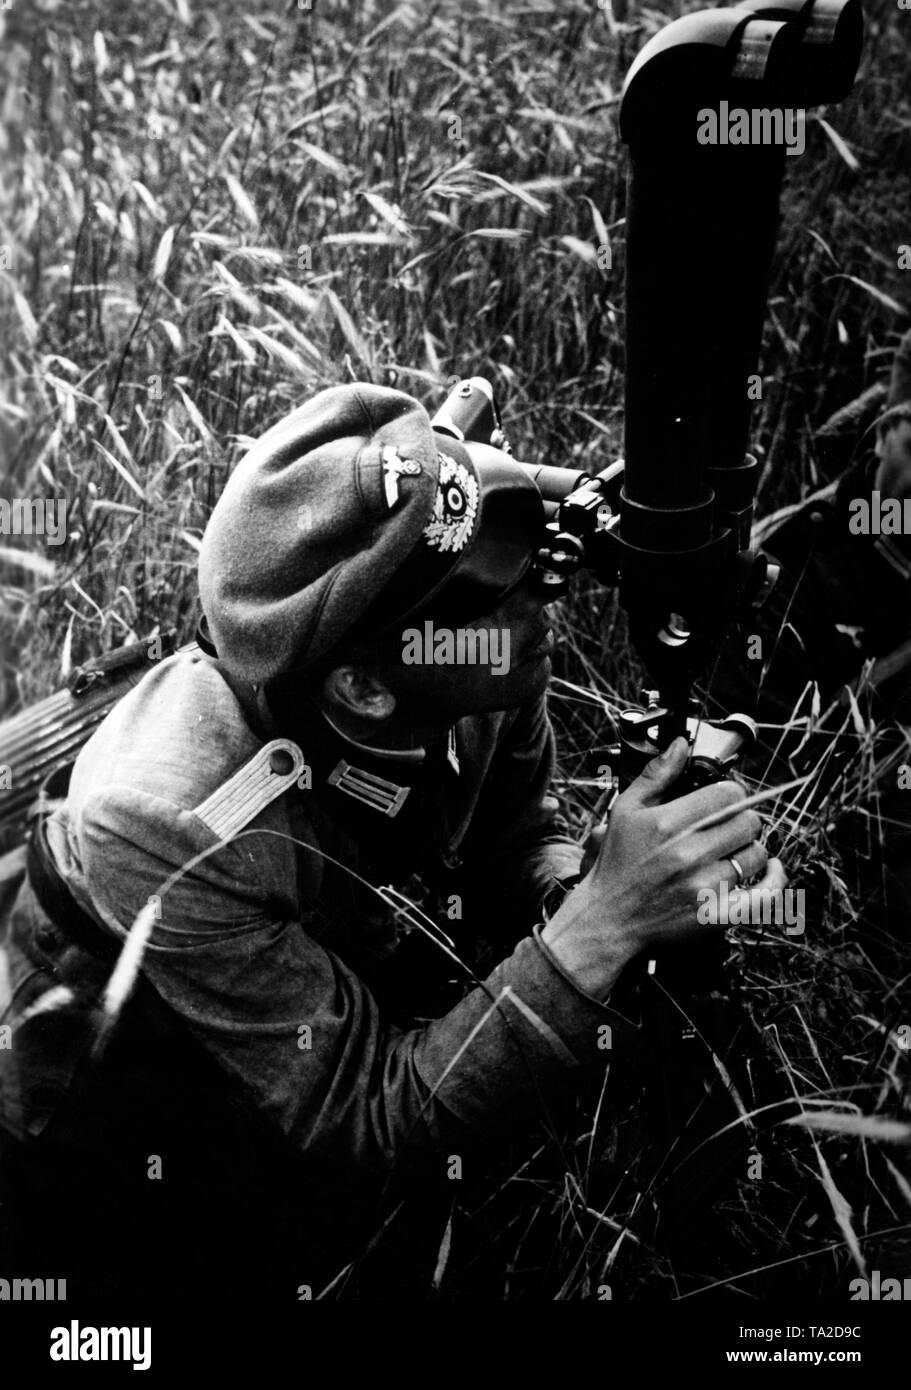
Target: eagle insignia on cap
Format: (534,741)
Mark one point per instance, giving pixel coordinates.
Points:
(455,507)
(394,466)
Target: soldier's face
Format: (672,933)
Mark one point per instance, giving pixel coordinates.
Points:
(498,661)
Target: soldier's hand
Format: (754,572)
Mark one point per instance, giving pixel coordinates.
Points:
(643,889)
(592,848)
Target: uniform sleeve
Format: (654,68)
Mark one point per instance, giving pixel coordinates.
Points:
(518,844)
(299,1029)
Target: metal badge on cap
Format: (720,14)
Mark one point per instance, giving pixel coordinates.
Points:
(394,466)
(454,508)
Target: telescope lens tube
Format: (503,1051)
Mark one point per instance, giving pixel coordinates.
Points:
(696,284)
(470,414)
(830,34)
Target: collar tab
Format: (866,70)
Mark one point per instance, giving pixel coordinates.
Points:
(384,796)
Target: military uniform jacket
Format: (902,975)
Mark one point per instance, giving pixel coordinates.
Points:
(264,922)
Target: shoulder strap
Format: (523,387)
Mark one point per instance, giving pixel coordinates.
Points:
(265,776)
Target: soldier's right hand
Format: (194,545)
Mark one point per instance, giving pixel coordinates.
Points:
(643,889)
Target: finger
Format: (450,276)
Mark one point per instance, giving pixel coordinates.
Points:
(706,801)
(595,838)
(752,859)
(659,775)
(774,880)
(720,841)
(760,900)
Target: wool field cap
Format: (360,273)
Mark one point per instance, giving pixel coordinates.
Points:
(345,518)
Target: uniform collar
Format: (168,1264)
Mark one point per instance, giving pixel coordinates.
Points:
(366,750)
(379,785)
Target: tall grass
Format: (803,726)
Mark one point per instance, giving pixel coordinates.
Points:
(210,212)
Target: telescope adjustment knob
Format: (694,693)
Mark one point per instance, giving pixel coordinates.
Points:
(559,558)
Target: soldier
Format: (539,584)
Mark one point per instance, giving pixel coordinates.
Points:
(840,617)
(844,596)
(216,1070)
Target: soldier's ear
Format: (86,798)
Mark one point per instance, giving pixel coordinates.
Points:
(358,690)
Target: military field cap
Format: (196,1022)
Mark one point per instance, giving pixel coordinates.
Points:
(342,519)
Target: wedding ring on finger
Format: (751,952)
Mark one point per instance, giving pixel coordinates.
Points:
(738,869)
(749,861)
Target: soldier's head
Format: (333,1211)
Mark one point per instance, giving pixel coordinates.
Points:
(359,560)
